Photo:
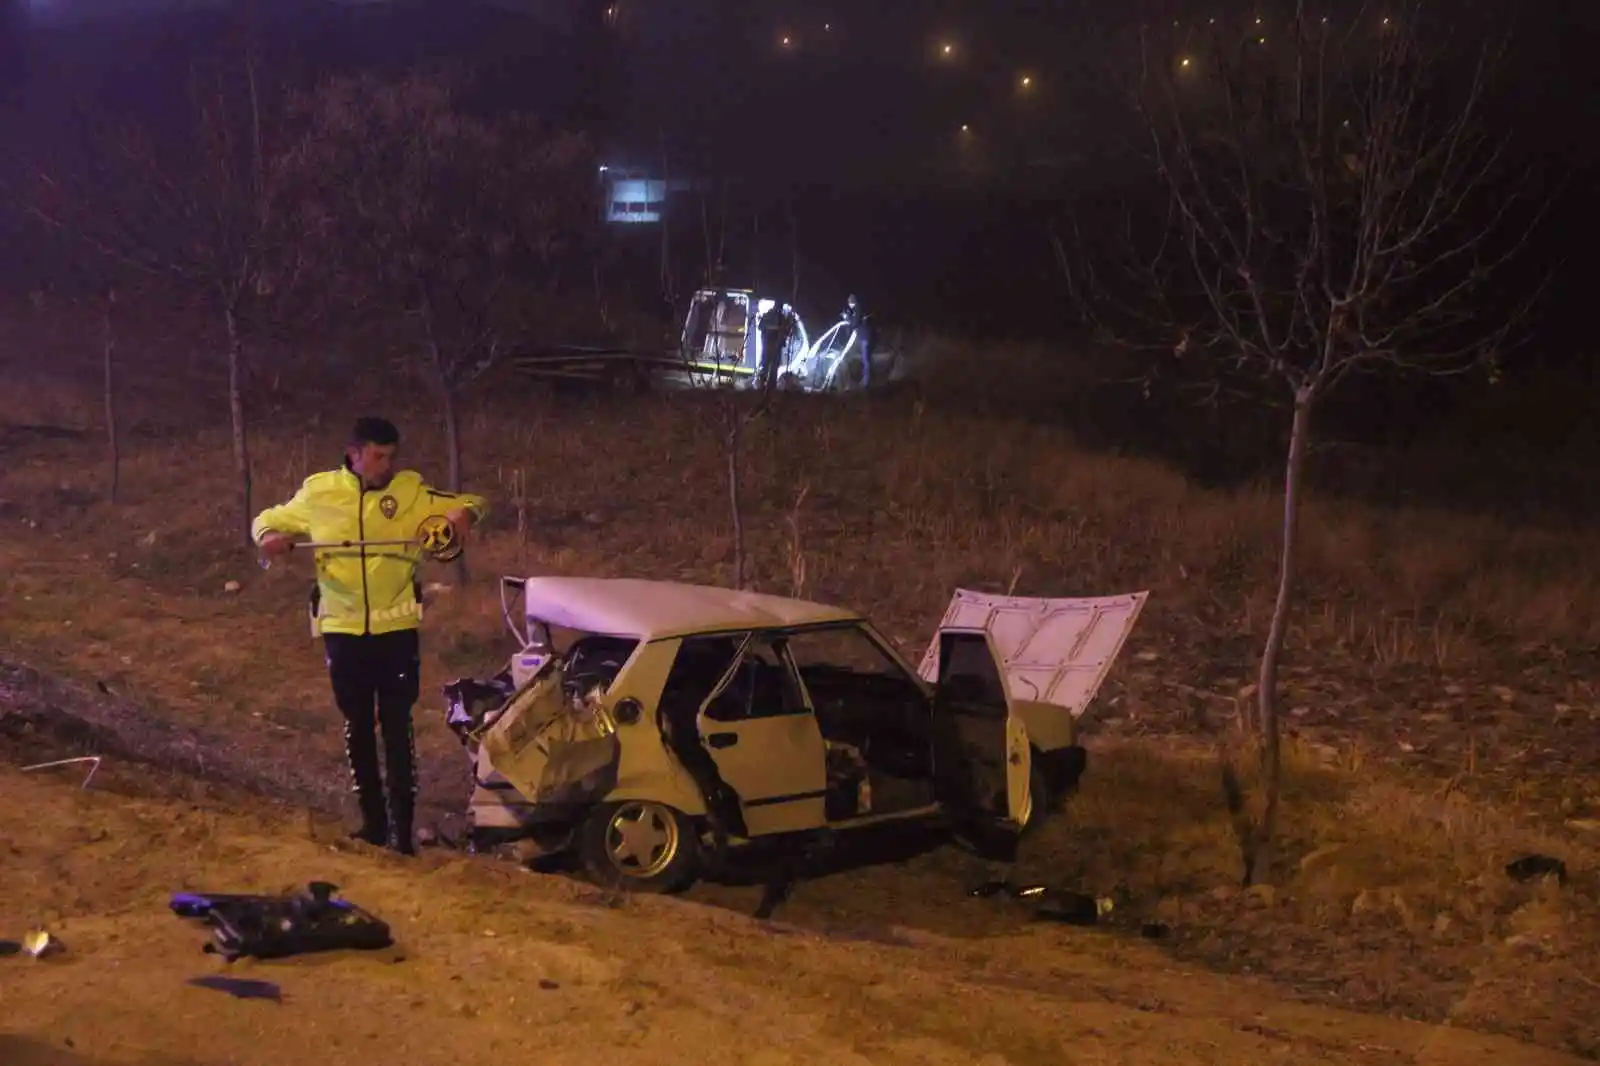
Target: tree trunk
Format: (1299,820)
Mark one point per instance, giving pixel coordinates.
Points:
(109,350)
(794,257)
(452,436)
(733,425)
(241,442)
(452,444)
(1267,724)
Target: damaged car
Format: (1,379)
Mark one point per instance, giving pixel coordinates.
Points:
(646,727)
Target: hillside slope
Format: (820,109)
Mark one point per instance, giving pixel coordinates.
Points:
(497,964)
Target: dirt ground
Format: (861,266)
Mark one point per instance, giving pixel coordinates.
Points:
(493,962)
(1439,690)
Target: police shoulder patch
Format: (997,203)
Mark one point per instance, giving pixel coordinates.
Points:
(389,506)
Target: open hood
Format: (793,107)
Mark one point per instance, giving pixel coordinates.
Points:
(1055,651)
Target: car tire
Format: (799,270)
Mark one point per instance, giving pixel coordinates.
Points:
(662,857)
(1040,798)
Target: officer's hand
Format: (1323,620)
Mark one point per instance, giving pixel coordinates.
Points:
(276,544)
(461,520)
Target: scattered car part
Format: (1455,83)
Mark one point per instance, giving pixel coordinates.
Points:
(41,944)
(270,927)
(1070,908)
(92,760)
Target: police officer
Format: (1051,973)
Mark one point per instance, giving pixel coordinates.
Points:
(777,325)
(860,322)
(367,607)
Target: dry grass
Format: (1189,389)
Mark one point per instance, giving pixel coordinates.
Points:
(492,962)
(1439,677)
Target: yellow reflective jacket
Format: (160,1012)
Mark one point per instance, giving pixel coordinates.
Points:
(364,590)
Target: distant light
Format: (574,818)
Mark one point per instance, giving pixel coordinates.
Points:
(1386,20)
(1183,62)
(1258,20)
(604,168)
(787,41)
(827,27)
(1026,81)
(1261,40)
(965,128)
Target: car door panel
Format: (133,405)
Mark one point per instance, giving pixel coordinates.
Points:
(769,750)
(981,751)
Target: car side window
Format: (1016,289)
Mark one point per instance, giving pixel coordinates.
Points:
(827,658)
(762,687)
(968,673)
(700,664)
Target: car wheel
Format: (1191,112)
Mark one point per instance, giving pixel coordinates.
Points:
(641,846)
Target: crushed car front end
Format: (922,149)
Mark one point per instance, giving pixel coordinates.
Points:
(540,738)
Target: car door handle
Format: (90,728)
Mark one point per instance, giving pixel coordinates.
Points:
(722,740)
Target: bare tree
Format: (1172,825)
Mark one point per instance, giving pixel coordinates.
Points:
(198,216)
(1337,203)
(408,200)
(108,359)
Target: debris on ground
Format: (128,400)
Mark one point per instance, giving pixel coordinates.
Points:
(1530,867)
(1050,904)
(41,945)
(274,927)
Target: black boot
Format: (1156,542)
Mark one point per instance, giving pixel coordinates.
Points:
(404,836)
(403,806)
(374,818)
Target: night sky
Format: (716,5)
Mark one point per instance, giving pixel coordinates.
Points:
(864,116)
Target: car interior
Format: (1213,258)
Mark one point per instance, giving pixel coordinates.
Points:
(594,662)
(876,724)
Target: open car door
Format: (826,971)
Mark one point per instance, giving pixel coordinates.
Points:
(765,742)
(1052,651)
(980,753)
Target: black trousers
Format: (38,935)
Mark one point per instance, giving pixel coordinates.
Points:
(376,682)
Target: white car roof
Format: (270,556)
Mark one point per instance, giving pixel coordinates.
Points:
(652,610)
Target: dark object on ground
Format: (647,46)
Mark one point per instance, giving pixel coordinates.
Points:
(9,947)
(990,889)
(1155,930)
(240,988)
(1531,866)
(273,927)
(1071,908)
(1050,904)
